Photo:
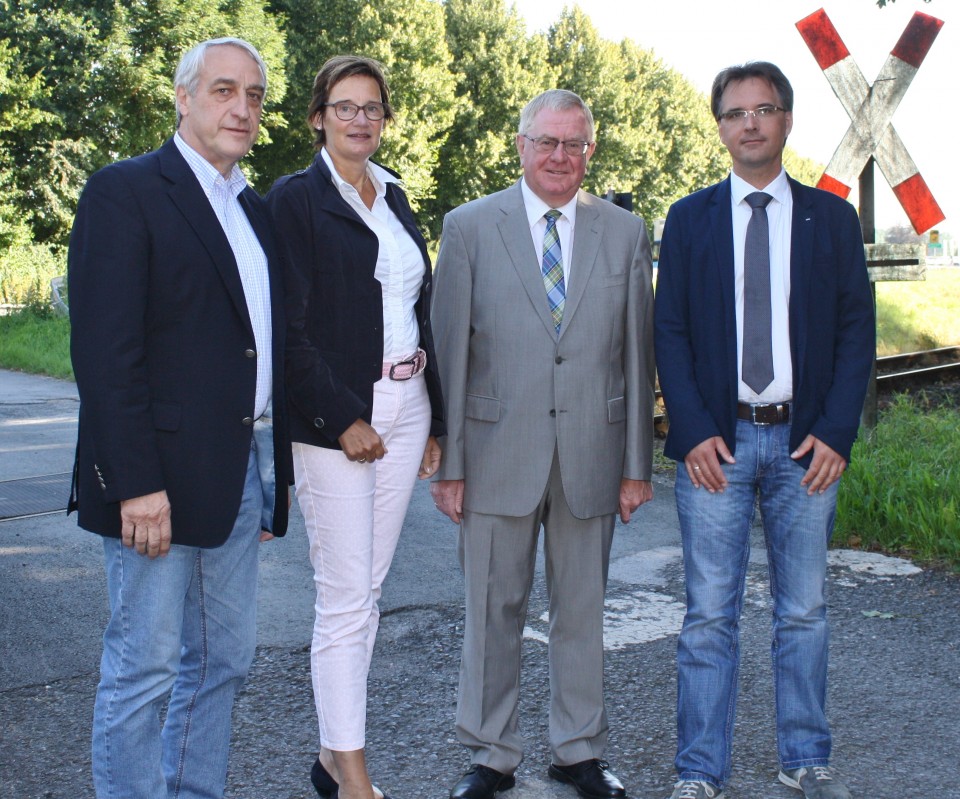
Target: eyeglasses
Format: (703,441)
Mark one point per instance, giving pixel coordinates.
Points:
(347,111)
(740,114)
(547,144)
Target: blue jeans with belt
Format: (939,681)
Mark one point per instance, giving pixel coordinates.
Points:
(715,530)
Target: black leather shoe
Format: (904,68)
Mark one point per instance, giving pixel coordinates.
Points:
(481,782)
(325,785)
(591,778)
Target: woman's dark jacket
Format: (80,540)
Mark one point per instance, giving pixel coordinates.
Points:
(334,306)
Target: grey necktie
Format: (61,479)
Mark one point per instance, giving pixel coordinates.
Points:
(757,366)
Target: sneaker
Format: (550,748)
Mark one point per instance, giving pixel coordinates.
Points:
(695,789)
(816,782)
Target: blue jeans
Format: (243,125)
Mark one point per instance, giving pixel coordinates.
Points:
(715,529)
(182,626)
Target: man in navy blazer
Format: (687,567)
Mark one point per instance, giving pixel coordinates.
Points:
(177,341)
(764,335)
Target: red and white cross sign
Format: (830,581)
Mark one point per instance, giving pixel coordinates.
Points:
(871,108)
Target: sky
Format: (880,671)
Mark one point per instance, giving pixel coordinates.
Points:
(698,38)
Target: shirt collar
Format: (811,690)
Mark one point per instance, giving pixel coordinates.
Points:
(536,207)
(778,188)
(208,175)
(377,174)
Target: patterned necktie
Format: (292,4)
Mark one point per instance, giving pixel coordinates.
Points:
(757,366)
(552,268)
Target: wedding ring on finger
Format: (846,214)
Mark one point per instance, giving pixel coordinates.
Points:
(361,460)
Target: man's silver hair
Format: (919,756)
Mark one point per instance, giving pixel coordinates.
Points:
(191,65)
(554,100)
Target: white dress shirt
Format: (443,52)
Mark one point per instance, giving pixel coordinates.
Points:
(251,261)
(536,208)
(779,219)
(400,266)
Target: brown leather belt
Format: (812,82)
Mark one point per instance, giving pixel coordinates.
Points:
(764,414)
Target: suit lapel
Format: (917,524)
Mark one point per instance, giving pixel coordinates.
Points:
(187,194)
(721,232)
(801,267)
(586,244)
(516,238)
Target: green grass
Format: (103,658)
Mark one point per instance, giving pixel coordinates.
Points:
(34,340)
(901,493)
(919,315)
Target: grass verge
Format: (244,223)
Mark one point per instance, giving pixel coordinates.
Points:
(35,340)
(901,493)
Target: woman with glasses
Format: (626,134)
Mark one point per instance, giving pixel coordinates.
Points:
(364,392)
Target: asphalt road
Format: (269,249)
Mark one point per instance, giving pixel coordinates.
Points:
(894,674)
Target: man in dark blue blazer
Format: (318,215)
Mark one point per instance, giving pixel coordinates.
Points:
(764,335)
(177,344)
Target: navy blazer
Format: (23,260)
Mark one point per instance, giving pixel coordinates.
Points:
(335,305)
(832,330)
(164,353)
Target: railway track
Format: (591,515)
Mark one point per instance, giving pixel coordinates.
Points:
(918,368)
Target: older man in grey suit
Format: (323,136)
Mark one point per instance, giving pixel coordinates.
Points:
(543,322)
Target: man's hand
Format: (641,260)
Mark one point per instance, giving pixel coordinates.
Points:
(633,493)
(825,468)
(361,443)
(448,497)
(703,467)
(146,524)
(431,459)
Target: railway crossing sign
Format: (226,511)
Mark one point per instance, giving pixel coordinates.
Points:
(870,108)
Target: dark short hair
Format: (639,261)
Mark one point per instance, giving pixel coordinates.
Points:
(335,70)
(752,69)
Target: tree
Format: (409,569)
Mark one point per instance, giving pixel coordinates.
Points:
(101,72)
(655,135)
(407,36)
(499,69)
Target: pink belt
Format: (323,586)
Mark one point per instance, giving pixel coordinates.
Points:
(404,370)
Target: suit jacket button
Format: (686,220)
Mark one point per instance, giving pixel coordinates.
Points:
(558,359)
(553,412)
(250,353)
(247,421)
(318,423)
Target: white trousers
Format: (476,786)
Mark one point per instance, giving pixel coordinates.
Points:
(353,514)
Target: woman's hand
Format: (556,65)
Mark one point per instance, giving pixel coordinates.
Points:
(361,443)
(431,459)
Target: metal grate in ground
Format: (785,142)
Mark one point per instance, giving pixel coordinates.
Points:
(32,496)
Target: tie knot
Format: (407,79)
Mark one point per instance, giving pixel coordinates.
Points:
(552,216)
(758,199)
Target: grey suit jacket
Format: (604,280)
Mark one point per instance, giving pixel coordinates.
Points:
(513,390)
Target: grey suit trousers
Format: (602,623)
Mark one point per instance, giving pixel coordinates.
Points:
(498,555)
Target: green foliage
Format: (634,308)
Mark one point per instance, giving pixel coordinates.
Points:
(806,170)
(918,315)
(655,134)
(96,77)
(26,271)
(901,492)
(407,36)
(499,68)
(34,340)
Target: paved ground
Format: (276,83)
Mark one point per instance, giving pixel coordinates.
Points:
(894,680)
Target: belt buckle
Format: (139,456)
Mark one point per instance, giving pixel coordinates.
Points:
(753,415)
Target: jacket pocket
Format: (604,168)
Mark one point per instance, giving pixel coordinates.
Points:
(483,409)
(616,410)
(166,416)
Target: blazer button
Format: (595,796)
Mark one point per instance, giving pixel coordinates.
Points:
(318,423)
(250,353)
(553,412)
(247,421)
(558,359)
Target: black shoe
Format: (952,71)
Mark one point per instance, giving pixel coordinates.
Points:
(481,782)
(324,784)
(591,778)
